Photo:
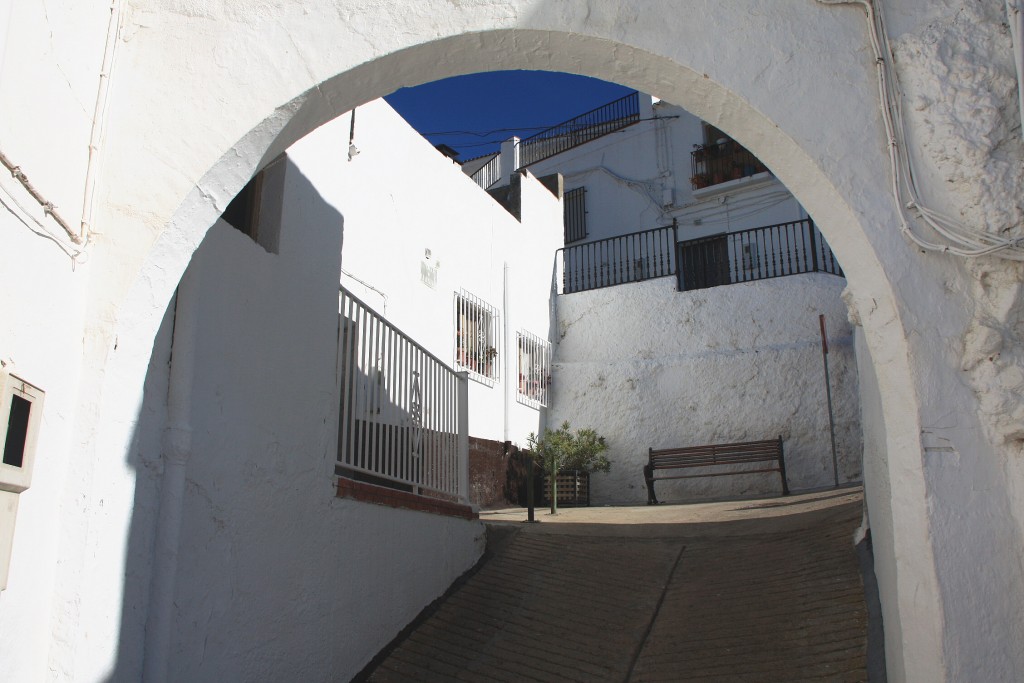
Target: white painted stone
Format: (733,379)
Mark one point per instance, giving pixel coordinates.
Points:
(650,367)
(203,95)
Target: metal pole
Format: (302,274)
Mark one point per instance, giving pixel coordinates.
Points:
(530,517)
(828,395)
(554,487)
(462,439)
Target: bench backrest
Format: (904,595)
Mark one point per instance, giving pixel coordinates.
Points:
(716,454)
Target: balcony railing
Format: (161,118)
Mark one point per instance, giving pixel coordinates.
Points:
(402,419)
(717,163)
(617,260)
(583,128)
(489,173)
(757,254)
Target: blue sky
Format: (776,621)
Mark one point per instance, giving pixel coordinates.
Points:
(480,104)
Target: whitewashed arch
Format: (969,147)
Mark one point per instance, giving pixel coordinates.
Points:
(224,89)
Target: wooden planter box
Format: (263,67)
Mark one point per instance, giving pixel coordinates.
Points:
(573,489)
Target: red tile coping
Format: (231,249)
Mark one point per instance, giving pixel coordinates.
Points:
(379,495)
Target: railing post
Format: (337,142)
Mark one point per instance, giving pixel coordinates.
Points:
(814,246)
(560,274)
(462,421)
(509,159)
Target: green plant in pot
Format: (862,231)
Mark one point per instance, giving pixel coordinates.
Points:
(565,449)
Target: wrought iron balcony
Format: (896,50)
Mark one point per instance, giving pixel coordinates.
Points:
(634,257)
(757,254)
(719,162)
(605,119)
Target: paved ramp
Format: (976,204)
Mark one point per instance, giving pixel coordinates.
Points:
(753,591)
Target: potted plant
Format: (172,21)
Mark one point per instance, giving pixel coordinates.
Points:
(700,180)
(564,450)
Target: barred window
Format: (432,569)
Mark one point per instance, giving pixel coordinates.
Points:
(534,369)
(574,214)
(477,338)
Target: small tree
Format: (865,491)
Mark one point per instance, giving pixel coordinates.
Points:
(563,449)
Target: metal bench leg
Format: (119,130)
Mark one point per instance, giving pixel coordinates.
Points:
(782,469)
(649,479)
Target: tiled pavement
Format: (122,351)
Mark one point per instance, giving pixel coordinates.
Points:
(752,591)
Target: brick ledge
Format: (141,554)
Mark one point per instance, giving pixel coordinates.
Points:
(380,495)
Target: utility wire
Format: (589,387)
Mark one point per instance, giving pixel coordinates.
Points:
(963,240)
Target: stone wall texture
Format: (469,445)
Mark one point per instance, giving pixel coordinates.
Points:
(650,367)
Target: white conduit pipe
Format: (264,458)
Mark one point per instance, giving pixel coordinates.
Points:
(964,241)
(1015,18)
(99,117)
(177,449)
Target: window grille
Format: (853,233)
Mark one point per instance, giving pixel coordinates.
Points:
(477,338)
(574,214)
(534,369)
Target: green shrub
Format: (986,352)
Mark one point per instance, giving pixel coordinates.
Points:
(564,449)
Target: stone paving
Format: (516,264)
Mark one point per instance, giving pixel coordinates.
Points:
(765,590)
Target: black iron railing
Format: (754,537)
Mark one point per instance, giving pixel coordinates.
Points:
(489,173)
(618,260)
(717,163)
(583,128)
(757,254)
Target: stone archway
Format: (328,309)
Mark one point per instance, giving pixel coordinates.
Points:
(763,82)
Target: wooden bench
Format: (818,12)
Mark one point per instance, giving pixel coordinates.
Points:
(714,456)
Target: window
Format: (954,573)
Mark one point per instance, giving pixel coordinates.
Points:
(534,369)
(21,409)
(256,210)
(21,406)
(477,338)
(574,214)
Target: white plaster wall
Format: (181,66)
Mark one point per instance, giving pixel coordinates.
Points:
(399,198)
(49,58)
(203,95)
(650,367)
(44,351)
(278,579)
(877,497)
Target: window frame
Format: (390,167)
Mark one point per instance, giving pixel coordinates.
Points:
(533,387)
(474,317)
(17,478)
(574,215)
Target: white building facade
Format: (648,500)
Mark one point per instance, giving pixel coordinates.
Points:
(691,285)
(137,122)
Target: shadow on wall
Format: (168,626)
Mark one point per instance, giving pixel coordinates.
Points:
(257,491)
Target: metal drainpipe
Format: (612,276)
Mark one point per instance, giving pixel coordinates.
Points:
(177,449)
(508,352)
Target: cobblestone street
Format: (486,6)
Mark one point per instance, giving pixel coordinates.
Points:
(765,590)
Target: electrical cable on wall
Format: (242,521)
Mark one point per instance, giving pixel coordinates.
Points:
(963,240)
(75,250)
(24,216)
(99,119)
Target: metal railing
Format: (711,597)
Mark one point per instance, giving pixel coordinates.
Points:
(402,409)
(756,254)
(534,365)
(716,163)
(489,173)
(617,260)
(580,129)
